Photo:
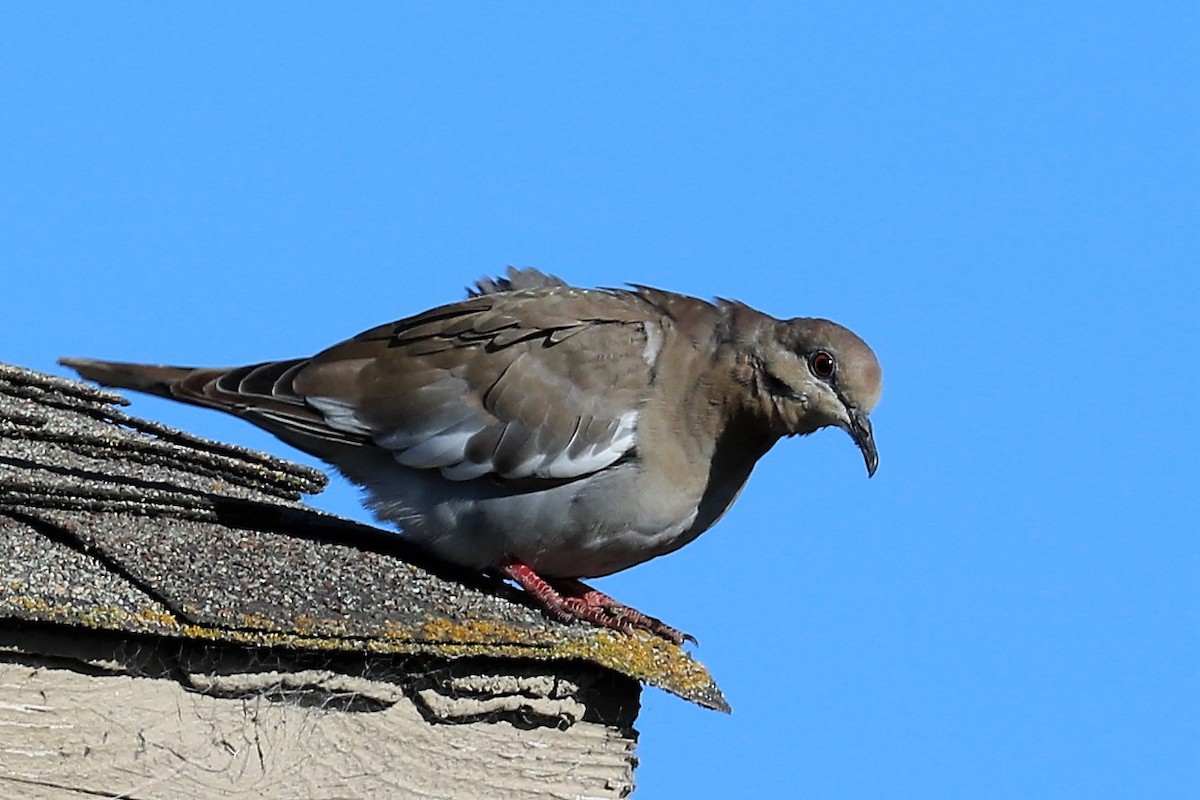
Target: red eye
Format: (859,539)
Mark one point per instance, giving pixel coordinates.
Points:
(822,364)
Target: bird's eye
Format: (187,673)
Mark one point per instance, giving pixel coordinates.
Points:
(822,364)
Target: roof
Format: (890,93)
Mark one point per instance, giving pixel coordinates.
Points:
(111,522)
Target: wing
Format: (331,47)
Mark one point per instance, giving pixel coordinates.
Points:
(543,383)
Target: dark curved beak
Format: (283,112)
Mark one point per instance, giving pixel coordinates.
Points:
(860,430)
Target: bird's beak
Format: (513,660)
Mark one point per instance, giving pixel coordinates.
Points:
(860,430)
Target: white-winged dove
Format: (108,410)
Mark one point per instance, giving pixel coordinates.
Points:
(550,433)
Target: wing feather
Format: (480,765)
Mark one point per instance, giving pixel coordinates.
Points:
(529,380)
(535,384)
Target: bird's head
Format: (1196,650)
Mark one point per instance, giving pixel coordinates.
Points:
(813,373)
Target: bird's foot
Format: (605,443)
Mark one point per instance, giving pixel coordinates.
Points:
(567,599)
(574,589)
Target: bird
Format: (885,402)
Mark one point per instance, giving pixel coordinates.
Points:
(545,433)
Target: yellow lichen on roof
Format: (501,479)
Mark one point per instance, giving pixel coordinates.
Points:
(642,656)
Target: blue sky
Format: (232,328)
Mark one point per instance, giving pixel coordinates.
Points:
(1002,198)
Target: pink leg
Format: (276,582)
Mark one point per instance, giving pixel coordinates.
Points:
(573,599)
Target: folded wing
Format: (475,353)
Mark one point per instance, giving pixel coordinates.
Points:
(527,385)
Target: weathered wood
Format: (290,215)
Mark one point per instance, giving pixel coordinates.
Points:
(95,720)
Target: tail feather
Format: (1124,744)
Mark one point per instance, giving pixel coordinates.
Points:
(148,378)
(260,393)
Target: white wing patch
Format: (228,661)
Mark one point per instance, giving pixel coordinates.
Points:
(566,464)
(339,414)
(446,450)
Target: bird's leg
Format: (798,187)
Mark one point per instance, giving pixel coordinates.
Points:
(562,607)
(574,588)
(573,599)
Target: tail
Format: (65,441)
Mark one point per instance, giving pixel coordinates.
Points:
(262,394)
(148,378)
